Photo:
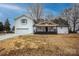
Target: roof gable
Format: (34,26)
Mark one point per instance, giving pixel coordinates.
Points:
(46,23)
(22,16)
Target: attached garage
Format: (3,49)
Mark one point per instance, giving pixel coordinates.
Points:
(23,31)
(62,30)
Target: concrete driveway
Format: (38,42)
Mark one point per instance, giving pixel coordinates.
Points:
(6,36)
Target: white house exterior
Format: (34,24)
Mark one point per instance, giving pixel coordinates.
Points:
(25,25)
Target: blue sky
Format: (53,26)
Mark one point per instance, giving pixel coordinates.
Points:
(11,11)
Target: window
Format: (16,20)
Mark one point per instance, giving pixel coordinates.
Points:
(24,20)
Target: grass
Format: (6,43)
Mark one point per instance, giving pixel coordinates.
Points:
(41,45)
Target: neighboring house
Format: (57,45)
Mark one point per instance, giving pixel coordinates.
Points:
(25,25)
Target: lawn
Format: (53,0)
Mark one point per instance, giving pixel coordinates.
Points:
(41,45)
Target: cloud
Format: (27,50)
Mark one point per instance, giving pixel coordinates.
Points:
(11,9)
(10,6)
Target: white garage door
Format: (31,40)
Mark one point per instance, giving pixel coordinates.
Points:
(62,30)
(23,31)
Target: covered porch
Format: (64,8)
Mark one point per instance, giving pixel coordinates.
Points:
(45,28)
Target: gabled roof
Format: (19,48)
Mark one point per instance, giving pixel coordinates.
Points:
(46,23)
(24,15)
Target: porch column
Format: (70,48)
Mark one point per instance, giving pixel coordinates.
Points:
(44,29)
(56,29)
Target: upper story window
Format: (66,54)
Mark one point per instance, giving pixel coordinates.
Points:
(24,20)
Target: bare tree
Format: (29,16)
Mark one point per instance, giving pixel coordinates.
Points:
(49,15)
(35,11)
(72,16)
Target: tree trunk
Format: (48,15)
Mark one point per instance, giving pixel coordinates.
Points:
(74,24)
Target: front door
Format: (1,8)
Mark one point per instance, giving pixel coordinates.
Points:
(46,28)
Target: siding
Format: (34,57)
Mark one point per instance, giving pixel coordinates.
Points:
(23,28)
